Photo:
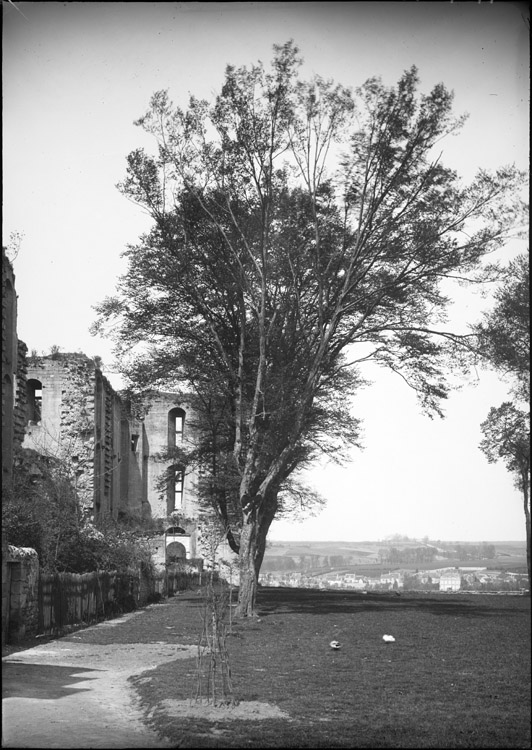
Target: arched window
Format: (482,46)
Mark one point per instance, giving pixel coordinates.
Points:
(176,482)
(175,530)
(176,426)
(34,399)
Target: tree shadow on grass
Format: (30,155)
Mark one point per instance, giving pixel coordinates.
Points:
(41,681)
(272,601)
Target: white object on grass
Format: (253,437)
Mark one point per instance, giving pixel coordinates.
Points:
(388,638)
(334,645)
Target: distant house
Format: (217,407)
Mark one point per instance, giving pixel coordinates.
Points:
(392,580)
(450,580)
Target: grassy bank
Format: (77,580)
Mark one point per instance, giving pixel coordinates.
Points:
(457,675)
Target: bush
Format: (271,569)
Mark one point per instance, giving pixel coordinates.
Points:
(41,510)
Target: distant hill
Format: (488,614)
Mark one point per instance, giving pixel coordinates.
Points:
(334,548)
(323,548)
(336,555)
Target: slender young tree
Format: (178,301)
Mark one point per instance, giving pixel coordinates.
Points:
(300,230)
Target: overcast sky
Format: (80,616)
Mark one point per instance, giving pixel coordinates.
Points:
(77,75)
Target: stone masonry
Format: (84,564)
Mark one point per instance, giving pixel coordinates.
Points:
(122,461)
(125,464)
(21,607)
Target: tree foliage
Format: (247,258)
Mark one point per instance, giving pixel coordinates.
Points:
(504,332)
(507,438)
(504,336)
(300,230)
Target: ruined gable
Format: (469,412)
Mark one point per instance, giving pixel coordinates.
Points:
(60,421)
(74,414)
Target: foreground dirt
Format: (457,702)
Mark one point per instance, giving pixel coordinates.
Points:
(74,692)
(66,694)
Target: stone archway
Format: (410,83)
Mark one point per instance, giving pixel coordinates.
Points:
(175,552)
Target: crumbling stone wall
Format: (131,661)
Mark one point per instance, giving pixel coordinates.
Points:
(9,365)
(116,455)
(85,423)
(135,456)
(67,426)
(5,589)
(107,453)
(22,595)
(113,454)
(20,405)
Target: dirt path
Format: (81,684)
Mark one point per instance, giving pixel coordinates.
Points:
(65,694)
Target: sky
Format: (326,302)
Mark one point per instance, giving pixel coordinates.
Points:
(75,78)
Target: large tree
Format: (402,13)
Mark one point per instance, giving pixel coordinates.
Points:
(504,340)
(300,230)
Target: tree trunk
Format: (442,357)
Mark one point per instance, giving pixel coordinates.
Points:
(252,548)
(526,499)
(248,576)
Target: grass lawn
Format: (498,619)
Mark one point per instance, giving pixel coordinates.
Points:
(458,674)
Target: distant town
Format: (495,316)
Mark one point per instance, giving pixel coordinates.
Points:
(398,564)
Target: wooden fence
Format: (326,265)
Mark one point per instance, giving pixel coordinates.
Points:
(68,599)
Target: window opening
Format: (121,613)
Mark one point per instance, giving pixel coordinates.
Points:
(176,426)
(177,481)
(34,400)
(173,530)
(134,442)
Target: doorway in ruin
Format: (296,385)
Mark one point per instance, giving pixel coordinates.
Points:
(175,552)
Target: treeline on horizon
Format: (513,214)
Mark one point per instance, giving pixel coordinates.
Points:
(408,555)
(483,551)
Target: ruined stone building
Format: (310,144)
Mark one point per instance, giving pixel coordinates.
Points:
(119,460)
(62,406)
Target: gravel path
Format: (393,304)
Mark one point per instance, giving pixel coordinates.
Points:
(73,692)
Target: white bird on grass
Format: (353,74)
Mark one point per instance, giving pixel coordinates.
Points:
(334,645)
(388,638)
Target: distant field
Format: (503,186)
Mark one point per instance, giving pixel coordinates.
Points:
(368,548)
(363,557)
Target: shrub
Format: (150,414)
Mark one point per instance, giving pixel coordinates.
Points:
(41,510)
